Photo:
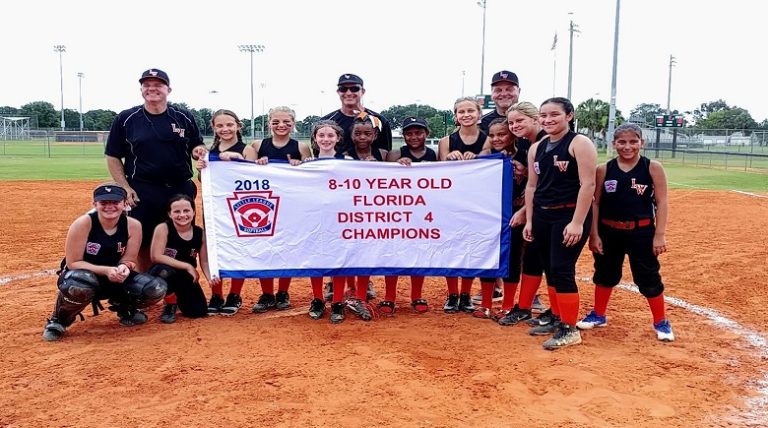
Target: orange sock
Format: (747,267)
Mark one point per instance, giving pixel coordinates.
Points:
(453,284)
(529,284)
(417,283)
(362,287)
(510,289)
(317,287)
(657,308)
(339,282)
(236,286)
(217,290)
(283,284)
(552,293)
(170,299)
(486,288)
(267,285)
(602,295)
(390,287)
(568,303)
(466,285)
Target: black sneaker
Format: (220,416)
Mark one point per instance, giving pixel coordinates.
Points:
(371,293)
(515,316)
(498,295)
(359,308)
(215,304)
(232,305)
(169,313)
(451,304)
(282,300)
(316,309)
(265,302)
(53,330)
(328,295)
(132,318)
(337,313)
(544,318)
(465,303)
(546,329)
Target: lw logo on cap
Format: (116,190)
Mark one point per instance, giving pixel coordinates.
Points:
(346,76)
(504,75)
(153,72)
(108,189)
(254,213)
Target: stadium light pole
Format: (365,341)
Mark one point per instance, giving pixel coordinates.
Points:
(612,110)
(672,62)
(251,49)
(463,75)
(263,86)
(80,93)
(482,3)
(61,49)
(573,28)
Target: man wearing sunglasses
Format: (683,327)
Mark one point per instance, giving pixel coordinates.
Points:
(350,89)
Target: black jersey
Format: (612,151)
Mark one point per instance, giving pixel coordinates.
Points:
(102,249)
(156,147)
(239,147)
(518,186)
(376,153)
(456,143)
(429,155)
(523,145)
(179,248)
(269,150)
(383,141)
(558,174)
(628,195)
(485,121)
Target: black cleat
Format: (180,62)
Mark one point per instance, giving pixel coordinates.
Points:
(215,304)
(132,318)
(53,330)
(337,313)
(359,308)
(544,318)
(265,302)
(232,305)
(169,313)
(465,303)
(515,316)
(282,300)
(451,304)
(316,309)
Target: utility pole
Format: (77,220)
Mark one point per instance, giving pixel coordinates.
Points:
(80,92)
(251,49)
(573,28)
(61,49)
(482,3)
(672,62)
(612,111)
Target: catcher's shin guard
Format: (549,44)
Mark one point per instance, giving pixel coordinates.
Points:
(144,290)
(76,291)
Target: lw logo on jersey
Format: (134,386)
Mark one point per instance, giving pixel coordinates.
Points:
(92,248)
(254,213)
(610,185)
(561,165)
(177,130)
(640,188)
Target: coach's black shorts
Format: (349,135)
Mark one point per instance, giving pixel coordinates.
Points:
(152,208)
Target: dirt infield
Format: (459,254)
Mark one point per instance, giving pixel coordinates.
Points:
(436,370)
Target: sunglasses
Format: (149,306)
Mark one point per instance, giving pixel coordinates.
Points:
(353,89)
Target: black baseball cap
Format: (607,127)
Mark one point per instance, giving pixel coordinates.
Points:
(412,121)
(154,73)
(346,79)
(109,192)
(505,76)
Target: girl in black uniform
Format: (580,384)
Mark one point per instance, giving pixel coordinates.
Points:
(280,146)
(415,132)
(100,257)
(465,143)
(630,217)
(523,119)
(227,144)
(176,246)
(558,200)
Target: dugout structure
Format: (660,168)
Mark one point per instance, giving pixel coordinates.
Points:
(15,127)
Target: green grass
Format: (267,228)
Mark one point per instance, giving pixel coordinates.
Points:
(684,176)
(69,168)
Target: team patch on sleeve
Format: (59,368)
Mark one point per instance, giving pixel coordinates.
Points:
(610,186)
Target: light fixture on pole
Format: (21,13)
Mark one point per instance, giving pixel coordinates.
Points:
(672,62)
(251,49)
(612,110)
(573,28)
(482,3)
(61,49)
(80,93)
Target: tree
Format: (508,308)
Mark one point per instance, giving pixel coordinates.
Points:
(44,112)
(706,109)
(305,125)
(99,120)
(72,118)
(206,115)
(731,118)
(593,115)
(645,113)
(9,111)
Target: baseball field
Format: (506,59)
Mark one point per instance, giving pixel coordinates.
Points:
(422,370)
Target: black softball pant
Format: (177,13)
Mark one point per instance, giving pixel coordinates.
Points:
(559,261)
(638,245)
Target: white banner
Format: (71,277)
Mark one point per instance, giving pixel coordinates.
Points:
(334,217)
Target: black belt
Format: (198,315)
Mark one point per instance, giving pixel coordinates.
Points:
(560,206)
(627,225)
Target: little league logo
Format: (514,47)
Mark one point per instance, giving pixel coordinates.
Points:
(92,248)
(610,186)
(253,213)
